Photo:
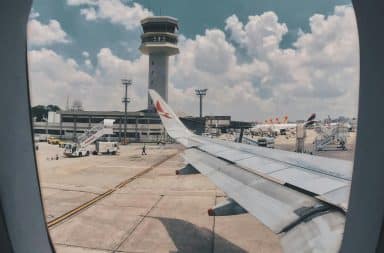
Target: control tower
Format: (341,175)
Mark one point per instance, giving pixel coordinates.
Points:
(159,41)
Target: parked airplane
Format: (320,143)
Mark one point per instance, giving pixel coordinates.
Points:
(281,128)
(329,124)
(278,121)
(300,197)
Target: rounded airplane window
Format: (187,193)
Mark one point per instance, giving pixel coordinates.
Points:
(153,123)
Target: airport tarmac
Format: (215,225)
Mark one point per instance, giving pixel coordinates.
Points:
(288,142)
(137,204)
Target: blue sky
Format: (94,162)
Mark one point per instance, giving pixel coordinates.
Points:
(194,17)
(110,33)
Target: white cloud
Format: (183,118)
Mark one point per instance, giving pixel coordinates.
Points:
(111,69)
(319,74)
(85,54)
(82,2)
(46,34)
(89,13)
(221,53)
(114,11)
(261,33)
(53,77)
(88,63)
(34,14)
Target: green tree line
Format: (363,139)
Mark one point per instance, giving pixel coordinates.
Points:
(40,112)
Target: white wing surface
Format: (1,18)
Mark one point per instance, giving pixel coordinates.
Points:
(302,198)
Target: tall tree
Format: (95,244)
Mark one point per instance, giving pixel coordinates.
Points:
(40,112)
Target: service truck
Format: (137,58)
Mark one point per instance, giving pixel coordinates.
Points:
(107,147)
(75,150)
(84,141)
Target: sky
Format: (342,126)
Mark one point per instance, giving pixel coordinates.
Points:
(258,59)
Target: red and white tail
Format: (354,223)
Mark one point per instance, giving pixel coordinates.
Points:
(174,127)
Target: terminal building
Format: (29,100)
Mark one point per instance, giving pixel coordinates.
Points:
(142,126)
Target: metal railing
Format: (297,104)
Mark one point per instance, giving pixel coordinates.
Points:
(329,137)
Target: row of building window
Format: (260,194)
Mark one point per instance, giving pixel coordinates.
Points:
(117,121)
(160,38)
(57,132)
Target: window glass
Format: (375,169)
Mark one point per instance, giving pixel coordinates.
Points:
(271,75)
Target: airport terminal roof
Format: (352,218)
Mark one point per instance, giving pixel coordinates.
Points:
(107,113)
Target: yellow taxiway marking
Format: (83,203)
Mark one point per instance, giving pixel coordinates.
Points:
(80,208)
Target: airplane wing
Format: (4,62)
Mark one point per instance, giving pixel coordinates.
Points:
(302,198)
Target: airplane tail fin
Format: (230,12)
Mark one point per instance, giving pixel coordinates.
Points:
(285,120)
(311,119)
(174,127)
(277,121)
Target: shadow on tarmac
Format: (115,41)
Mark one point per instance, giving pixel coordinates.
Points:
(189,238)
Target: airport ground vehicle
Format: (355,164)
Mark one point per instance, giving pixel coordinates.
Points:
(36,138)
(53,140)
(75,150)
(106,147)
(82,146)
(268,142)
(62,144)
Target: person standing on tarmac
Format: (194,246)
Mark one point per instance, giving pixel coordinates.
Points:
(143,151)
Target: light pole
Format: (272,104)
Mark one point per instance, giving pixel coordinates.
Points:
(201,93)
(125,100)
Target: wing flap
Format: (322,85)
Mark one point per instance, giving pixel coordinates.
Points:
(321,234)
(314,179)
(213,148)
(338,197)
(274,205)
(327,166)
(308,181)
(233,155)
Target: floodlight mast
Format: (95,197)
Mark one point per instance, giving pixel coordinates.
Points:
(125,100)
(201,93)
